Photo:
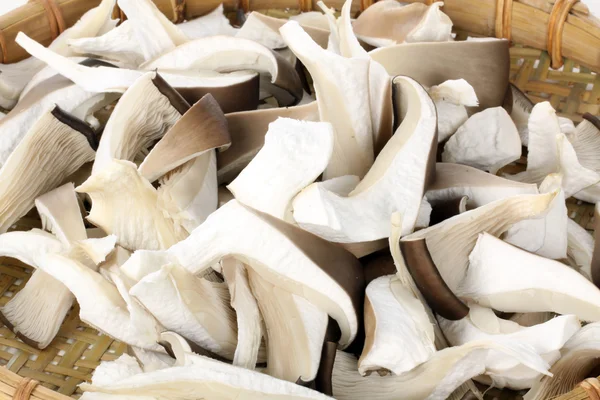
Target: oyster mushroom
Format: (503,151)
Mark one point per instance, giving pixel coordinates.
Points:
(248,129)
(451,100)
(580,248)
(562,290)
(586,141)
(211,24)
(490,55)
(364,214)
(54,148)
(488,140)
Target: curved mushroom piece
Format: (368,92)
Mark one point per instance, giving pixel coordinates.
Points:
(14,77)
(396,181)
(241,93)
(193,374)
(595,264)
(451,100)
(435,379)
(450,242)
(488,140)
(482,324)
(295,153)
(213,53)
(488,282)
(334,286)
(248,129)
(489,55)
(249,319)
(580,248)
(519,107)
(343,106)
(148,109)
(399,335)
(193,307)
(56,147)
(389,22)
(586,142)
(314,19)
(120,195)
(211,24)
(578,359)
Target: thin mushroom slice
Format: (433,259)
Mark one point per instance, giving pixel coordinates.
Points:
(489,55)
(335,286)
(562,290)
(14,77)
(520,107)
(248,129)
(435,379)
(193,307)
(343,106)
(249,319)
(148,109)
(52,150)
(213,53)
(364,214)
(488,140)
(119,184)
(212,24)
(399,335)
(586,142)
(579,358)
(450,242)
(580,248)
(295,331)
(451,100)
(295,153)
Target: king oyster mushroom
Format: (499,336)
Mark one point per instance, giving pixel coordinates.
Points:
(451,100)
(364,214)
(14,77)
(580,248)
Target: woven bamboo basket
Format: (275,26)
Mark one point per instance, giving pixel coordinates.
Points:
(555,57)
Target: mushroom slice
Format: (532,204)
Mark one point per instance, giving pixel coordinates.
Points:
(451,241)
(586,142)
(198,374)
(550,151)
(14,77)
(579,359)
(193,307)
(562,290)
(212,24)
(364,214)
(435,379)
(399,335)
(482,324)
(249,319)
(490,55)
(248,129)
(119,183)
(56,146)
(451,100)
(488,140)
(148,109)
(389,22)
(343,106)
(335,286)
(520,107)
(192,84)
(294,341)
(214,53)
(580,247)
(295,153)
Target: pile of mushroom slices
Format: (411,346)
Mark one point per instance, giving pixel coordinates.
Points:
(258,212)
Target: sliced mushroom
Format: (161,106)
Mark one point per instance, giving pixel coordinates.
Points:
(56,146)
(487,282)
(399,334)
(14,77)
(193,307)
(490,55)
(586,142)
(248,129)
(314,19)
(482,324)
(405,164)
(580,247)
(249,319)
(331,287)
(211,24)
(120,195)
(451,100)
(579,358)
(213,53)
(294,155)
(451,241)
(488,140)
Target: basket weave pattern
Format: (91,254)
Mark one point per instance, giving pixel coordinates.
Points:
(544,34)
